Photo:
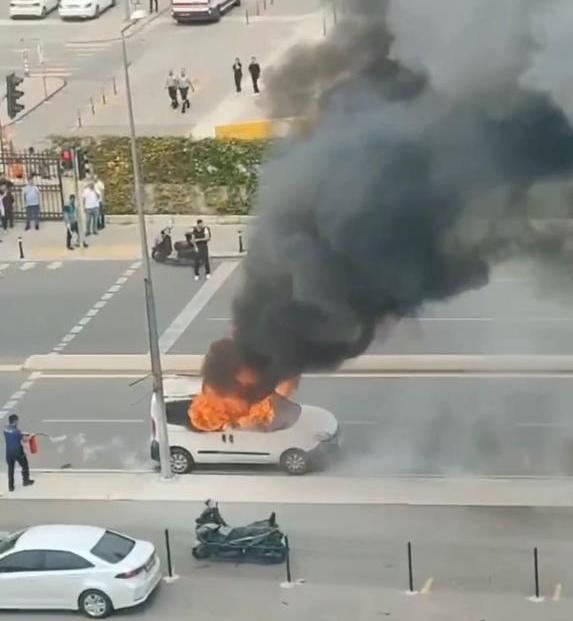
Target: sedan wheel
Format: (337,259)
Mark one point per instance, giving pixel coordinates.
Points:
(295,461)
(181,461)
(95,605)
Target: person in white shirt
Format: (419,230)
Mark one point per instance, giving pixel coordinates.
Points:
(99,187)
(90,202)
(184,84)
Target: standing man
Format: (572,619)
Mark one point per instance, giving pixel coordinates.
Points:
(153,8)
(184,84)
(255,71)
(31,197)
(90,200)
(200,238)
(99,187)
(238,74)
(171,86)
(7,199)
(15,452)
(71,220)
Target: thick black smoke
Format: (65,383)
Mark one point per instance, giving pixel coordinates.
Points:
(388,205)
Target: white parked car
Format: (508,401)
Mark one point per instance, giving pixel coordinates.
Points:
(298,434)
(201,10)
(85,568)
(83,9)
(32,8)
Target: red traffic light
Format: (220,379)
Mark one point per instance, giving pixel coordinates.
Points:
(67,155)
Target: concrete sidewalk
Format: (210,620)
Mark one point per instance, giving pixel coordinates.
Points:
(115,242)
(147,486)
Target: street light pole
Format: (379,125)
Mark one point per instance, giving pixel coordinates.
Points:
(164,452)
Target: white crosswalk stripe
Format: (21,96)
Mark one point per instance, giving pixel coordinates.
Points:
(27,266)
(55,265)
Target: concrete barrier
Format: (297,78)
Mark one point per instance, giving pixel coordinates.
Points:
(412,364)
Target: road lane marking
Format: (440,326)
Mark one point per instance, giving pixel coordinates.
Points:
(122,421)
(9,404)
(27,266)
(100,304)
(67,376)
(84,321)
(18,394)
(55,265)
(427,586)
(76,329)
(195,305)
(105,297)
(92,312)
(114,289)
(557,592)
(4,266)
(3,414)
(121,280)
(68,338)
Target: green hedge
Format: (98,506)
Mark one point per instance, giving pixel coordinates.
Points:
(180,175)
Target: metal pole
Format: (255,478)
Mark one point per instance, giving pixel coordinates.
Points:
(127,5)
(410,571)
(241,246)
(164,452)
(79,206)
(168,549)
(288,568)
(536,571)
(21,247)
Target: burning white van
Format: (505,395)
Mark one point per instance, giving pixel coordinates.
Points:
(298,434)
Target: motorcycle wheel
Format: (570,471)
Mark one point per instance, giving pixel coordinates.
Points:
(201,552)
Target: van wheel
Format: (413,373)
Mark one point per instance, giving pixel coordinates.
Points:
(295,462)
(201,552)
(181,461)
(217,15)
(95,604)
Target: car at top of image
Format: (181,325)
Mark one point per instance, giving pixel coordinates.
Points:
(66,567)
(299,435)
(201,10)
(32,8)
(84,9)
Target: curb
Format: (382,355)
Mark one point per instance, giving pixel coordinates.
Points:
(191,364)
(181,220)
(311,490)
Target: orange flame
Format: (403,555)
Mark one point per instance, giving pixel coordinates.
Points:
(211,411)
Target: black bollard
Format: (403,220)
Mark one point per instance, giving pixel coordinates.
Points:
(288,569)
(21,247)
(168,550)
(536,572)
(410,571)
(241,246)
(247,16)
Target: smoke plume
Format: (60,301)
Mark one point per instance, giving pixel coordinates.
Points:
(433,124)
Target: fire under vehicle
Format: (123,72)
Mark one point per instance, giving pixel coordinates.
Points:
(260,541)
(297,437)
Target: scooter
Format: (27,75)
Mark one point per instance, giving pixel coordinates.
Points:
(260,541)
(162,251)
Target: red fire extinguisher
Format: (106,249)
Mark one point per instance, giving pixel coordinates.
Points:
(33,444)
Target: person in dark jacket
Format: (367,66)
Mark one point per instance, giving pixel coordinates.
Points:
(255,71)
(7,210)
(238,74)
(200,238)
(15,452)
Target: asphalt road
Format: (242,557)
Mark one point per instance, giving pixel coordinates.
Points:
(476,564)
(505,426)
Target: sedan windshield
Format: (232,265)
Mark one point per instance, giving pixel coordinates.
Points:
(112,547)
(9,542)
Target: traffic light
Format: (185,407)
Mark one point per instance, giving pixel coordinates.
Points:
(83,163)
(67,160)
(13,94)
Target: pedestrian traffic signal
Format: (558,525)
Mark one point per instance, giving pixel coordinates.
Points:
(13,94)
(83,163)
(67,160)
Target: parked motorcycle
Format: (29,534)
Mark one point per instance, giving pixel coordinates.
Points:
(163,249)
(260,541)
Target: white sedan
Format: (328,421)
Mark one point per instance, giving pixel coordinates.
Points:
(32,8)
(84,9)
(298,435)
(85,568)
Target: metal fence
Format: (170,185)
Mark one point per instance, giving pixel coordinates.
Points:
(44,169)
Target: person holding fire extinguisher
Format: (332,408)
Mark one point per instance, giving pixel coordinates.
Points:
(15,452)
